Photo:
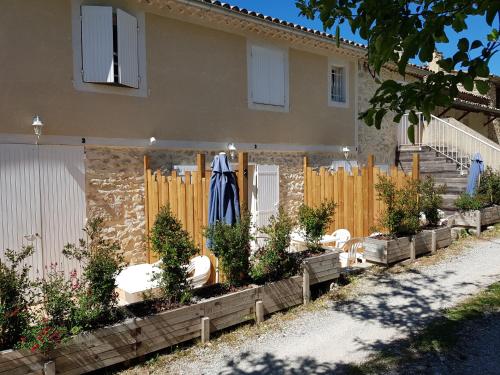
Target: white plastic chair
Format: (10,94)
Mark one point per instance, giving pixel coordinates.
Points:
(341,236)
(351,252)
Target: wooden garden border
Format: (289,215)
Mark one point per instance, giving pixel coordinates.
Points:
(140,336)
(477,218)
(392,251)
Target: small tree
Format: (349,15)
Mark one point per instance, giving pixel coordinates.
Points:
(402,214)
(175,248)
(15,296)
(430,199)
(102,262)
(273,261)
(315,221)
(489,187)
(231,244)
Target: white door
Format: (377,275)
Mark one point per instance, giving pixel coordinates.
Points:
(42,202)
(20,219)
(267,193)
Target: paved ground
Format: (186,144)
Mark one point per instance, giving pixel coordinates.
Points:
(324,341)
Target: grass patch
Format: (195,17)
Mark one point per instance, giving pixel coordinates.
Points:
(439,338)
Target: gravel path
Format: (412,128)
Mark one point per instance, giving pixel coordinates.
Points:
(324,341)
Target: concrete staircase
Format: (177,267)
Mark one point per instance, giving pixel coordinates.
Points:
(442,169)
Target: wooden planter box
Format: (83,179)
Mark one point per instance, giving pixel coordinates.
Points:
(136,337)
(396,250)
(477,218)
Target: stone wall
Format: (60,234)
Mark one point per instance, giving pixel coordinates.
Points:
(115,186)
(494,126)
(382,143)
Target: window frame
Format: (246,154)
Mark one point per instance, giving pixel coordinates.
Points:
(268,107)
(112,88)
(338,63)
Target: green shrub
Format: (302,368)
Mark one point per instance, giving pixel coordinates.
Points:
(466,202)
(102,262)
(42,337)
(175,248)
(402,214)
(15,296)
(315,221)
(430,199)
(231,245)
(273,262)
(489,187)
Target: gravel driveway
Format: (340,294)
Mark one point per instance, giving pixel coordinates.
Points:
(322,342)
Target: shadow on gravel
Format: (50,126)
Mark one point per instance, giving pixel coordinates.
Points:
(408,303)
(267,364)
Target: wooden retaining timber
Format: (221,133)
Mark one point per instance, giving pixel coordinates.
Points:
(136,337)
(477,218)
(392,251)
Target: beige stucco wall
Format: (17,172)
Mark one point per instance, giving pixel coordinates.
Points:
(196,78)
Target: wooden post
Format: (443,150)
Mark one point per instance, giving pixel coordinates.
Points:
(415,168)
(259,312)
(200,165)
(412,249)
(243,180)
(49,368)
(433,242)
(370,166)
(205,329)
(478,223)
(306,182)
(146,204)
(306,290)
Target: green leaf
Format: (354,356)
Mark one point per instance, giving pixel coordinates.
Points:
(476,44)
(468,83)
(413,117)
(411,133)
(379,116)
(482,86)
(482,69)
(463,44)
(337,35)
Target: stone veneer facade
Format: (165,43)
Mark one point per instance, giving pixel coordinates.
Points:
(115,186)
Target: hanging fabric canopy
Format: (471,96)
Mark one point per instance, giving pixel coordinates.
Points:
(476,168)
(223,201)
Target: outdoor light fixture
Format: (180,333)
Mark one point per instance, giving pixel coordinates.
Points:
(232,150)
(346,152)
(152,141)
(37,127)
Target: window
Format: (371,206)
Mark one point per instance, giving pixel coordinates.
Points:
(268,81)
(338,84)
(109,42)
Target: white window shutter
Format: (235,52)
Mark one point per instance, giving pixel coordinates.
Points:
(276,77)
(97,44)
(268,193)
(260,73)
(128,61)
(268,76)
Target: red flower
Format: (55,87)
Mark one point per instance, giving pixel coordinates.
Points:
(34,348)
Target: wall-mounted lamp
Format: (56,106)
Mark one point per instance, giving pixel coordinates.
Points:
(37,127)
(232,150)
(152,141)
(346,152)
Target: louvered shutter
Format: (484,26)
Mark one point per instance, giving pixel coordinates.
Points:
(268,193)
(128,64)
(97,44)
(268,76)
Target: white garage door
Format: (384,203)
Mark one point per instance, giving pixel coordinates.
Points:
(42,202)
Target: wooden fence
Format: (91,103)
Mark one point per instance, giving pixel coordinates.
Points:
(187,197)
(358,207)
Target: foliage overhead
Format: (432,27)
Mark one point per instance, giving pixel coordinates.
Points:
(397,31)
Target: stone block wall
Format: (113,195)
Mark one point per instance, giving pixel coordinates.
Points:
(115,186)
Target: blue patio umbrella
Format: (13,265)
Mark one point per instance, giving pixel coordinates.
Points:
(476,168)
(223,201)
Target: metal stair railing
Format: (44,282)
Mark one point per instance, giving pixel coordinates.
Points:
(449,140)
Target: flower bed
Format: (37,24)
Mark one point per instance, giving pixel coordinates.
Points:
(478,218)
(395,250)
(139,336)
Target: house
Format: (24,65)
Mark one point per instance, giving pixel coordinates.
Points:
(114,80)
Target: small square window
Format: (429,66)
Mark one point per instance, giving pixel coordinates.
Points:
(338,85)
